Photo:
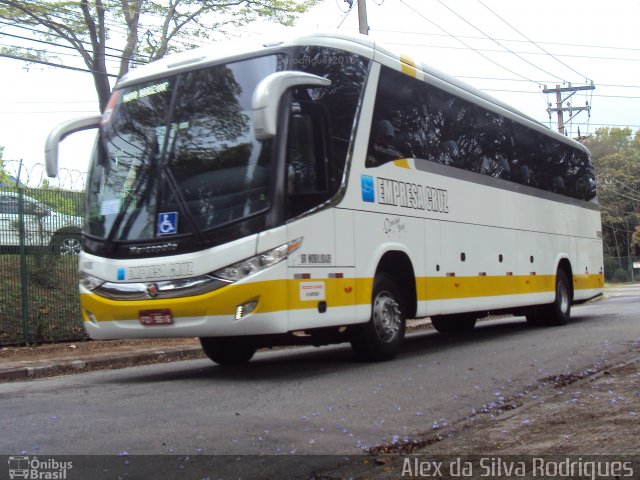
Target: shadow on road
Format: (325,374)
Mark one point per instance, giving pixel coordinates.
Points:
(297,364)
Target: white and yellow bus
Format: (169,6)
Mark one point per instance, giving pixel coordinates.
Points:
(320,190)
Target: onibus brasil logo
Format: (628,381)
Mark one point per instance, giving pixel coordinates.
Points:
(33,468)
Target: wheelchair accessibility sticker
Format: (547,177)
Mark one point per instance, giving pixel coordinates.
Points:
(167,223)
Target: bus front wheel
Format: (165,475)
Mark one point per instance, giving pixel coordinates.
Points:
(227,351)
(381,337)
(558,312)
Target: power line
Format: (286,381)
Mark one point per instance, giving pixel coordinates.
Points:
(471,37)
(613,125)
(497,42)
(502,79)
(532,42)
(57,112)
(56,45)
(48,52)
(625,185)
(117,26)
(464,43)
(604,187)
(60,10)
(628,97)
(345,17)
(50,64)
(40,32)
(452,47)
(31,102)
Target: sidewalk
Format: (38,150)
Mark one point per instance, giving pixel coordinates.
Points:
(21,363)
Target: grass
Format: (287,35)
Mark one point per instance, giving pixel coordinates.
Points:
(50,287)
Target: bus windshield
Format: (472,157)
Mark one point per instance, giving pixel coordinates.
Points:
(178,155)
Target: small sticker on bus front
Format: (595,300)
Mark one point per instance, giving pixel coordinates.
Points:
(167,223)
(311,291)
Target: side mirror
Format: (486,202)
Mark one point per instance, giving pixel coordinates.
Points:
(266,98)
(60,133)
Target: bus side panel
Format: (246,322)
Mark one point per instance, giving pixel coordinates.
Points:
(588,280)
(428,303)
(377,234)
(537,257)
(478,269)
(322,290)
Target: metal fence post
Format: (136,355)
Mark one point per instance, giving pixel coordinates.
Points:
(39,299)
(24,299)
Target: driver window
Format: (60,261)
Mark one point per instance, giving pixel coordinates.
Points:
(307,161)
(304,168)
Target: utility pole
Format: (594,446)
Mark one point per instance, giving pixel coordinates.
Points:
(560,109)
(362,15)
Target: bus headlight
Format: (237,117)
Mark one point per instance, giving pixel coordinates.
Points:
(89,281)
(252,265)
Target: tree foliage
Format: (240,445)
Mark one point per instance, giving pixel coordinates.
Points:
(4,176)
(134,31)
(616,153)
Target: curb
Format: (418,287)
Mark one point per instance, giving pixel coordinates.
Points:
(123,360)
(99,363)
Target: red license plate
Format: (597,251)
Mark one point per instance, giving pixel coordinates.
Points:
(155,317)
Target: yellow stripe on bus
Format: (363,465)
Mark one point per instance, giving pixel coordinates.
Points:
(272,295)
(279,295)
(402,163)
(408,66)
(588,282)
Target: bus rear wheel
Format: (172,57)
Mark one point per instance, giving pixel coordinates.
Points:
(558,312)
(454,323)
(381,337)
(228,351)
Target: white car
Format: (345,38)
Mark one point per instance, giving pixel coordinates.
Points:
(43,227)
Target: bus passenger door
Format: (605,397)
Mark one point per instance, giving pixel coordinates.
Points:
(319,289)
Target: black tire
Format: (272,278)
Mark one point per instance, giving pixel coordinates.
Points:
(66,243)
(558,312)
(381,338)
(534,316)
(228,351)
(454,323)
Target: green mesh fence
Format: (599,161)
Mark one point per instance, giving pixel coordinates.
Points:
(39,246)
(622,269)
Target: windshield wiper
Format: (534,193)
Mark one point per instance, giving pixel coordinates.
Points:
(140,178)
(167,149)
(182,204)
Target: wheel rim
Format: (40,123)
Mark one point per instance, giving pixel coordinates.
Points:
(386,317)
(563,297)
(70,246)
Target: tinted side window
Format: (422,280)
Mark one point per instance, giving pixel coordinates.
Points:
(413,119)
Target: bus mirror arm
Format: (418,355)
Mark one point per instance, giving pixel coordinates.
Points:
(60,133)
(266,98)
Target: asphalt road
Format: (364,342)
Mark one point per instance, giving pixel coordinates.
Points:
(307,401)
